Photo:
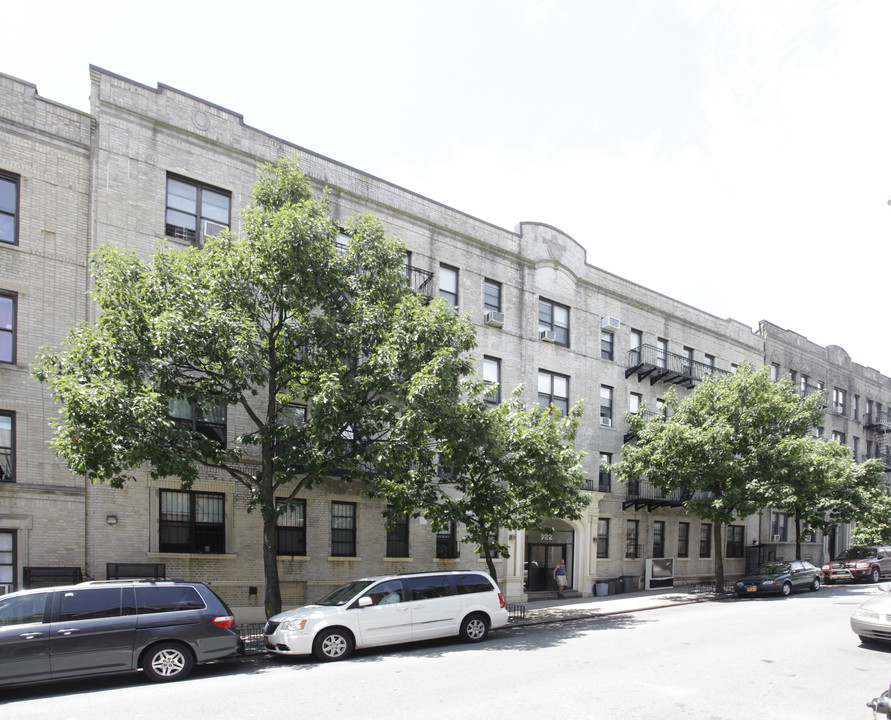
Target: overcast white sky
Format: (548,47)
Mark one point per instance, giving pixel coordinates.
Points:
(734,155)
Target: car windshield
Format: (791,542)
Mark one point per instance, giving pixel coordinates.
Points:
(344,593)
(773,568)
(857,553)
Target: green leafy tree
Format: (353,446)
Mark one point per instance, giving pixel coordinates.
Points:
(263,324)
(819,485)
(722,444)
(491,468)
(874,522)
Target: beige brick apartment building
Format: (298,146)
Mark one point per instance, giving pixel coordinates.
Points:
(149,163)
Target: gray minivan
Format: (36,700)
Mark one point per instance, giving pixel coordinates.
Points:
(162,627)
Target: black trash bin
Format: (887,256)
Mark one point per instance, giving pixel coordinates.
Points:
(627,583)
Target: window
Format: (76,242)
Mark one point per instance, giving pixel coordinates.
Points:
(774,372)
(470,583)
(192,522)
(491,295)
(292,416)
(779,527)
(553,390)
(23,609)
(735,541)
(159,599)
(343,529)
(7,447)
(195,211)
(7,328)
(857,407)
(555,318)
(839,437)
(856,447)
(710,361)
(683,539)
(606,476)
(397,535)
(603,538)
(804,385)
(448,284)
(661,352)
(839,400)
(88,604)
(291,527)
(9,208)
(659,539)
(7,561)
(606,345)
(208,420)
(447,542)
(636,342)
(705,540)
(428,587)
(632,531)
(635,400)
(492,377)
(606,405)
(688,360)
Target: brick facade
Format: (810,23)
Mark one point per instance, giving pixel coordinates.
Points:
(89,179)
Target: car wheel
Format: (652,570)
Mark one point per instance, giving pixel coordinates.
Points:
(874,574)
(167,662)
(815,585)
(474,628)
(333,644)
(787,589)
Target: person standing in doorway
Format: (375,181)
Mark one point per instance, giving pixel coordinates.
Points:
(560,577)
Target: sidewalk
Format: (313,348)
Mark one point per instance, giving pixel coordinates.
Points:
(560,609)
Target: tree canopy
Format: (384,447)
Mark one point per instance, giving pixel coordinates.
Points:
(319,345)
(741,442)
(491,467)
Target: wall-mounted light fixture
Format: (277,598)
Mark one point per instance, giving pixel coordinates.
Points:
(111,519)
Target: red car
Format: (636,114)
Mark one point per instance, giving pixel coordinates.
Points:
(868,563)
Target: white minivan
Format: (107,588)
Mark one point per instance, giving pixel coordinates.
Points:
(389,609)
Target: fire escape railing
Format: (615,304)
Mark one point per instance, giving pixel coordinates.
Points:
(649,361)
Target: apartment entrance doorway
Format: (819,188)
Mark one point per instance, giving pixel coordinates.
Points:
(544,550)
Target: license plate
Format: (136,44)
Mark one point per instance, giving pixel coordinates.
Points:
(751,589)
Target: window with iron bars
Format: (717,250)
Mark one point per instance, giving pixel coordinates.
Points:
(447,543)
(291,527)
(192,522)
(397,534)
(343,529)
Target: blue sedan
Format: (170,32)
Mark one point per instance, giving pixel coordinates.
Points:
(780,577)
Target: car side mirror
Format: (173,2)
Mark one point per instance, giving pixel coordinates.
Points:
(365,601)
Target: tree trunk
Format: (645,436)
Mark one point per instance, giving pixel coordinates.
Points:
(719,560)
(272,600)
(797,538)
(489,562)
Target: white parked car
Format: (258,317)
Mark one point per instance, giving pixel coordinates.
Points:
(872,620)
(387,610)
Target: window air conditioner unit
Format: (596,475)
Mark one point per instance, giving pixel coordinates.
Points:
(547,335)
(606,422)
(610,324)
(5,588)
(776,538)
(494,318)
(209,229)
